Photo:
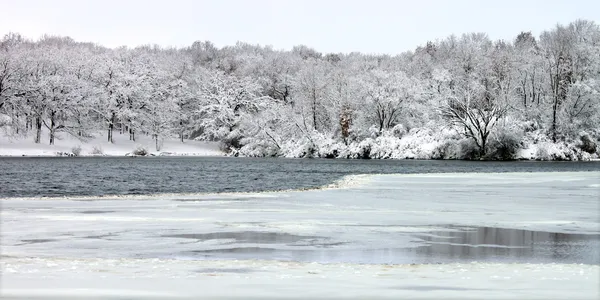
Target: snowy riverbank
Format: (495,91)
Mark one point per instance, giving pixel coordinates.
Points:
(426,143)
(66,145)
(418,144)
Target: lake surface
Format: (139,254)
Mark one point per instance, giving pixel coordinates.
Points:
(482,214)
(97,176)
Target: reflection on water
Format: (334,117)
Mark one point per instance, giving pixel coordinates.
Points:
(487,243)
(439,246)
(35,241)
(97,211)
(257,237)
(227,270)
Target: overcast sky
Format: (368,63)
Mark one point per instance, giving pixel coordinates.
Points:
(370,26)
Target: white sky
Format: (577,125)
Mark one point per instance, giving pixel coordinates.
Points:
(370,26)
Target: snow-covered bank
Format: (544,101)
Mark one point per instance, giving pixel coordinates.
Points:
(421,143)
(66,145)
(426,143)
(167,279)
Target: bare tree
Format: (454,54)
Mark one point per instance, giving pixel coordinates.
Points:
(475,114)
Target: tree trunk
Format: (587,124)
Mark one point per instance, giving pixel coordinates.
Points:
(181,131)
(38,129)
(110,130)
(345,122)
(482,150)
(554,108)
(314,109)
(156,143)
(52,126)
(111,126)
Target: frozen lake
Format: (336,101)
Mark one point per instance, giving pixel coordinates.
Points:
(462,235)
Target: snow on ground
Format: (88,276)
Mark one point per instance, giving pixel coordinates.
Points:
(20,146)
(154,245)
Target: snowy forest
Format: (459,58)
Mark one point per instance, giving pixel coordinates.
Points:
(462,97)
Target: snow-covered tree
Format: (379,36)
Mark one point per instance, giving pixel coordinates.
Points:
(385,95)
(223,100)
(261,102)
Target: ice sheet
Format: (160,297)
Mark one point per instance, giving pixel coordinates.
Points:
(118,243)
(139,278)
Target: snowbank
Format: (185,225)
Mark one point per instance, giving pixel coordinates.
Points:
(421,143)
(66,145)
(418,143)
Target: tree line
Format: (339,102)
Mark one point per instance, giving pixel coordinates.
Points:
(482,95)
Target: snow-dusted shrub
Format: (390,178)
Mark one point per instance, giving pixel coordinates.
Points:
(5,120)
(60,153)
(97,150)
(552,151)
(258,148)
(423,143)
(362,149)
(231,141)
(140,151)
(329,148)
(373,132)
(418,143)
(76,150)
(530,126)
(302,148)
(384,147)
(468,149)
(310,151)
(448,149)
(504,147)
(535,137)
(587,144)
(399,131)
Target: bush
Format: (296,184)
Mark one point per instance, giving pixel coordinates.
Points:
(363,150)
(587,144)
(399,131)
(329,148)
(231,142)
(542,152)
(468,150)
(97,150)
(446,150)
(555,152)
(140,151)
(76,150)
(505,147)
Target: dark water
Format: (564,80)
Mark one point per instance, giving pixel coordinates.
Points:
(51,177)
(464,245)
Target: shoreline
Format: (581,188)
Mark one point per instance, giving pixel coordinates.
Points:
(224,155)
